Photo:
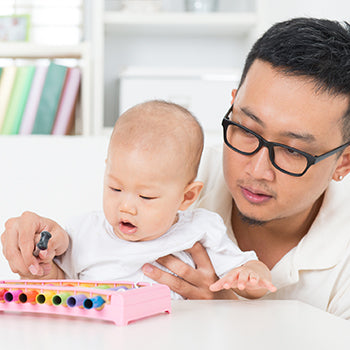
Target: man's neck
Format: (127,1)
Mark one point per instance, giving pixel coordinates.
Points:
(274,239)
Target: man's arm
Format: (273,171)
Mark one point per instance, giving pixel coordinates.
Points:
(191,283)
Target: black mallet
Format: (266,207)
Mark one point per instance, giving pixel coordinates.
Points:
(42,244)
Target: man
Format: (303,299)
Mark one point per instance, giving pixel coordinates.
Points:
(288,206)
(275,195)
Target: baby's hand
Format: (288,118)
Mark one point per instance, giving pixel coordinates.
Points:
(249,278)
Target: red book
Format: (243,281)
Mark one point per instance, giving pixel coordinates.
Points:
(66,108)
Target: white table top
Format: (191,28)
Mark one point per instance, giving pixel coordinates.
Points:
(191,325)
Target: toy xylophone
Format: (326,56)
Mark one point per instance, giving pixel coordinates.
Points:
(117,301)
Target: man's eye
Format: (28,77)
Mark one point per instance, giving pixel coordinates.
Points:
(293,153)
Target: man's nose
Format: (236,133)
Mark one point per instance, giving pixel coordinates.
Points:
(260,166)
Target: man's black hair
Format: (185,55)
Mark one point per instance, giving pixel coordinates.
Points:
(318,49)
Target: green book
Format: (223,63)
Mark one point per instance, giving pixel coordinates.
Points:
(6,84)
(49,99)
(18,100)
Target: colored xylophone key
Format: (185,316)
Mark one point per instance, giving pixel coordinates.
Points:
(2,294)
(76,300)
(96,302)
(45,297)
(60,299)
(28,296)
(12,295)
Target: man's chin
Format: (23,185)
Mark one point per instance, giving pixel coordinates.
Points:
(250,220)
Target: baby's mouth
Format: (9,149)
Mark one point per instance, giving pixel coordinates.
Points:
(127,227)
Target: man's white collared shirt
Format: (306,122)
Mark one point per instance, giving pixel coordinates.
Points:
(317,270)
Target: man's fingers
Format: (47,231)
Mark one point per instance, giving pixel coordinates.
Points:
(190,282)
(203,275)
(176,266)
(200,256)
(175,283)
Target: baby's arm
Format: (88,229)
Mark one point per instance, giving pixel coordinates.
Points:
(251,280)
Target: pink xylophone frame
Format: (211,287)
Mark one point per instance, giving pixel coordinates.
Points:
(140,300)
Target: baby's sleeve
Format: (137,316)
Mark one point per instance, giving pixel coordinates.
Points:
(66,261)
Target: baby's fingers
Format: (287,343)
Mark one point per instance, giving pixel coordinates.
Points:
(226,282)
(245,278)
(267,284)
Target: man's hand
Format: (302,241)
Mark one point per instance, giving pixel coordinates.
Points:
(19,240)
(191,283)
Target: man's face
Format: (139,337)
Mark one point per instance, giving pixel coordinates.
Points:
(287,110)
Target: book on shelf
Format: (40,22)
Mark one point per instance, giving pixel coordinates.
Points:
(65,114)
(49,99)
(38,99)
(33,100)
(18,99)
(6,82)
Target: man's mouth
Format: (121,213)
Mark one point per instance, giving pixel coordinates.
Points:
(127,227)
(255,196)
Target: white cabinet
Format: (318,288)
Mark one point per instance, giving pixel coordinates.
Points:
(205,93)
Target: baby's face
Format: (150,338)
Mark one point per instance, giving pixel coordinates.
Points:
(142,193)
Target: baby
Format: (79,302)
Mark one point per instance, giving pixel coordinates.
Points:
(151,167)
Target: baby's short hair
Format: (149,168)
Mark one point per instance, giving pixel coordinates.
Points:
(158,125)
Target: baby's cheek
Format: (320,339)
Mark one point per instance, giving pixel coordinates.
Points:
(111,215)
(163,223)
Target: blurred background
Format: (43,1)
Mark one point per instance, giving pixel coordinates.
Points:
(187,51)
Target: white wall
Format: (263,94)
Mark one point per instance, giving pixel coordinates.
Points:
(56,177)
(277,10)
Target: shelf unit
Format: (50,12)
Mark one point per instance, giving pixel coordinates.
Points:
(81,52)
(180,23)
(228,25)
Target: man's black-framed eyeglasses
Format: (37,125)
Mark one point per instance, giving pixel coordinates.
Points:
(286,159)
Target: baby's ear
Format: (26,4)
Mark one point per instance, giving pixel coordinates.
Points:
(191,193)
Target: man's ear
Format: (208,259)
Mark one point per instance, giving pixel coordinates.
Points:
(233,94)
(343,165)
(191,193)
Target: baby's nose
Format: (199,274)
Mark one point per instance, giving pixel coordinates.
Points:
(128,206)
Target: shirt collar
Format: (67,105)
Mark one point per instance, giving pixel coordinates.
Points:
(327,240)
(328,237)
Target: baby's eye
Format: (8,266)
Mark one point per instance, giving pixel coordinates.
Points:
(147,198)
(115,189)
